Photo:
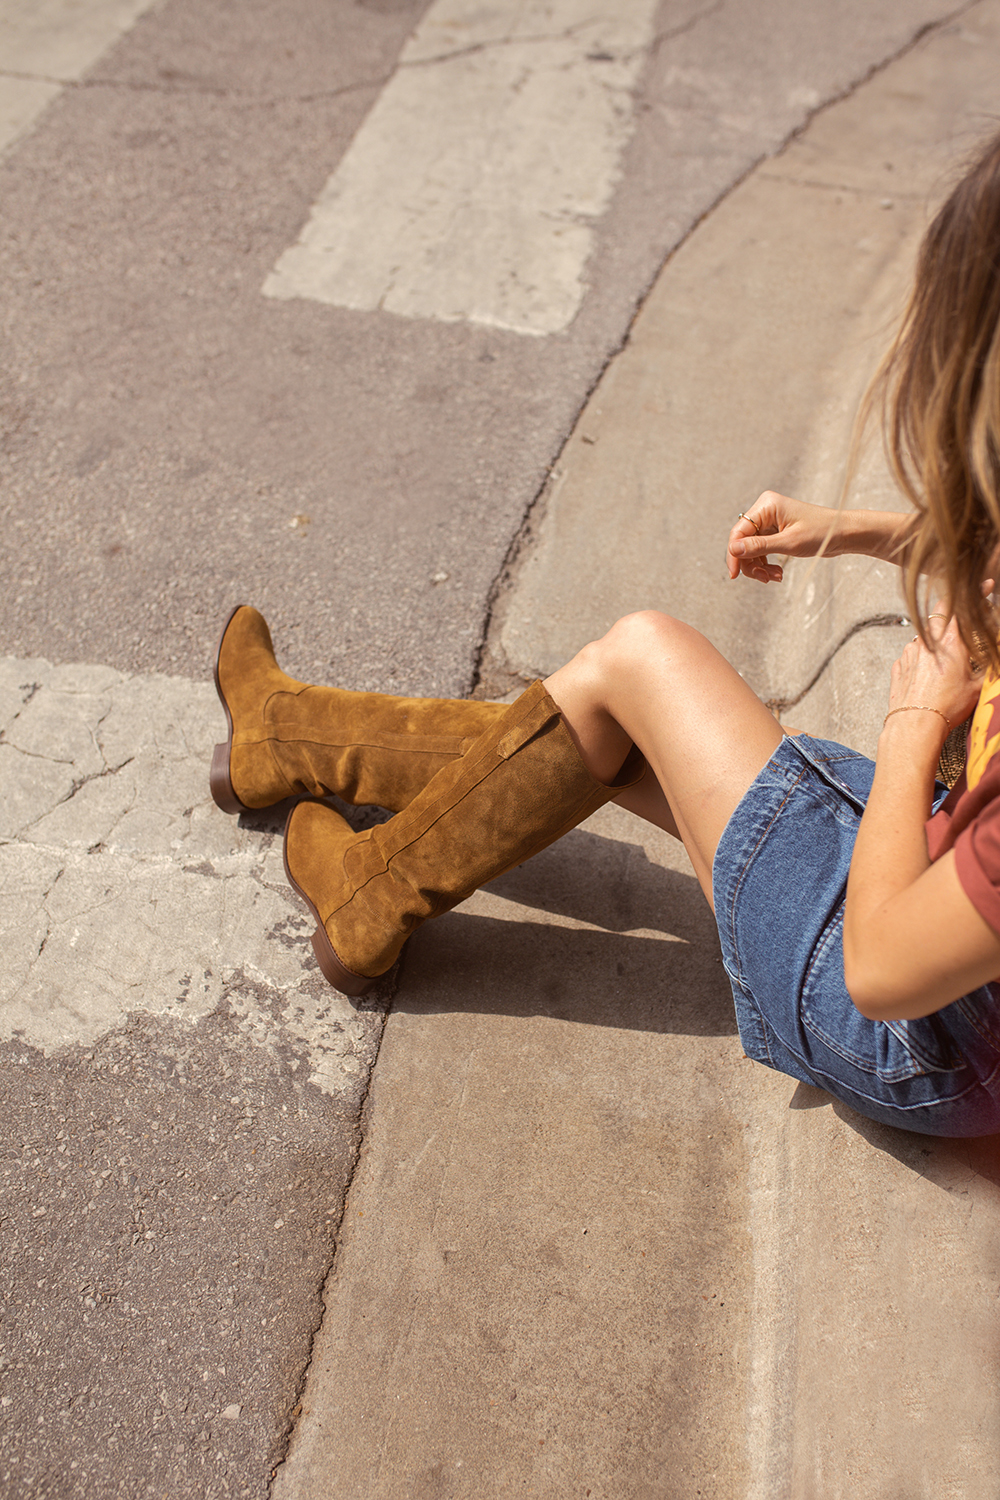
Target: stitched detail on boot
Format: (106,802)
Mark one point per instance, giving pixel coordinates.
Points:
(538,718)
(259,775)
(363,862)
(283,779)
(453,783)
(289,733)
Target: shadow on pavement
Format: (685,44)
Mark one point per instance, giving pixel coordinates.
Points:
(611,884)
(618,972)
(944,1162)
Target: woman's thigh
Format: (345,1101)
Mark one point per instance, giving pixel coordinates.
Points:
(705,734)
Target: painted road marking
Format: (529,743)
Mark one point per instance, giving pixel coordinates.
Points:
(123,888)
(45,44)
(471,190)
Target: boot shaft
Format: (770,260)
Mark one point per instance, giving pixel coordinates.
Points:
(520,786)
(288,738)
(369,747)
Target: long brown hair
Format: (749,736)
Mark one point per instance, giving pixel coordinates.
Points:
(938,390)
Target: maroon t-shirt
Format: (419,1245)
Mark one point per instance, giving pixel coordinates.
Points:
(968,821)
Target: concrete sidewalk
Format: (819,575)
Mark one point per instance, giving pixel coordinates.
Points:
(590,1249)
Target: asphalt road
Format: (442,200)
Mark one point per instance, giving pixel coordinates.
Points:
(164,423)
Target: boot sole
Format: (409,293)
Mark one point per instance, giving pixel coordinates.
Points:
(219,780)
(334,972)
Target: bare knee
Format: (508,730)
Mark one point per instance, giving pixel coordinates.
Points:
(636,640)
(629,646)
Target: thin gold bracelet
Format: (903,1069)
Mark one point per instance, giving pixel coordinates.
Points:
(917,708)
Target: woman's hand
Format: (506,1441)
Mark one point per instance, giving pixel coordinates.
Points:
(943,679)
(776,523)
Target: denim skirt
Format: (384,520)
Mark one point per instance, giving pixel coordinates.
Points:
(779,879)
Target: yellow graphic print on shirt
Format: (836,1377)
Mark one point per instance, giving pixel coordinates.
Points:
(984,740)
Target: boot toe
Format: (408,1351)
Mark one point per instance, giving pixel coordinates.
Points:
(244,774)
(316,840)
(245,651)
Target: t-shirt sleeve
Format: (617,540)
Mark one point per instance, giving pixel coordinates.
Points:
(977,864)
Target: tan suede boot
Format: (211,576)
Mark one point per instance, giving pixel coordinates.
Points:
(517,789)
(287,738)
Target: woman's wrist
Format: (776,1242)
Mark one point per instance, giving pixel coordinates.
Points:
(872,533)
(922,728)
(906,761)
(917,708)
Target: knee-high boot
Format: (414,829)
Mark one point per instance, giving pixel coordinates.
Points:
(516,789)
(288,738)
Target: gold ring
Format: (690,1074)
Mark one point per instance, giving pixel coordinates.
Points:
(937,617)
(744,517)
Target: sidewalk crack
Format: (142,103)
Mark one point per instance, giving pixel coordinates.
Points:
(222,91)
(53,760)
(208,90)
(684,26)
(842,187)
(874,622)
(77,786)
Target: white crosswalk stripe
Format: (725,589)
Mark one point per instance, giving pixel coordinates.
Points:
(471,190)
(45,44)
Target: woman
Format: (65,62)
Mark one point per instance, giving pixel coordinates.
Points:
(858,907)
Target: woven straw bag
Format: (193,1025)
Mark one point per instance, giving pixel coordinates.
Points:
(953,753)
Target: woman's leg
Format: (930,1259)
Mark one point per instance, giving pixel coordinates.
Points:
(659,683)
(558,753)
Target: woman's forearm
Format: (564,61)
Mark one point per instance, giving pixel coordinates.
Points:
(776,525)
(891,847)
(890,853)
(872,533)
(913,940)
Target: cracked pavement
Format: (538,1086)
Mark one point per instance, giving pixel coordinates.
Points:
(110,842)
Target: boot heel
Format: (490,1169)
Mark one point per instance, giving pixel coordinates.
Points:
(219,783)
(342,979)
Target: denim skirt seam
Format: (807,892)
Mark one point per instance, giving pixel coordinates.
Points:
(839,1089)
(744,869)
(973,1014)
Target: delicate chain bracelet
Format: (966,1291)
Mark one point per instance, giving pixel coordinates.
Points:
(916,708)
